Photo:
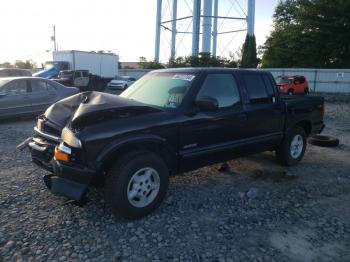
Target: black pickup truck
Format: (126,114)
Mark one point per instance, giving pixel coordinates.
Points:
(168,122)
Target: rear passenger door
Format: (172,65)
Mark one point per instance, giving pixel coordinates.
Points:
(41,95)
(78,79)
(264,112)
(208,137)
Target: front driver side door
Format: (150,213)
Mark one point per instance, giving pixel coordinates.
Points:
(210,137)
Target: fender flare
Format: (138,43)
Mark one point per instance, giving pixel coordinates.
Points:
(115,146)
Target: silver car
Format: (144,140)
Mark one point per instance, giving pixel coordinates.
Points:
(23,96)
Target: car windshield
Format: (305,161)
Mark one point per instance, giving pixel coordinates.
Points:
(162,89)
(284,80)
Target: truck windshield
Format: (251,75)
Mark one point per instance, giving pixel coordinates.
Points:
(165,90)
(58,65)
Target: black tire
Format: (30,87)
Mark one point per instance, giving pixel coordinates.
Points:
(306,91)
(290,92)
(283,152)
(324,141)
(125,87)
(118,181)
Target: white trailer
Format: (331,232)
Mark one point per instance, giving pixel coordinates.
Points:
(101,64)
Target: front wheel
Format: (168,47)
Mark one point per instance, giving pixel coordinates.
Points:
(292,148)
(137,184)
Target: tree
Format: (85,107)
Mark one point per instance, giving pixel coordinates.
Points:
(6,65)
(28,64)
(309,33)
(249,58)
(202,60)
(143,63)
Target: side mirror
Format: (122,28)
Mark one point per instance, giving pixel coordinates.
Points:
(207,103)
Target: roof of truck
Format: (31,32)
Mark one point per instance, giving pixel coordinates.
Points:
(208,69)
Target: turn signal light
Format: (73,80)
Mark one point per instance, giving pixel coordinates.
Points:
(61,156)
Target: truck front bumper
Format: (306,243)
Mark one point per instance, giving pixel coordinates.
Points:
(66,179)
(69,180)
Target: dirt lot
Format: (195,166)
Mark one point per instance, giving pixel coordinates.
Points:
(259,211)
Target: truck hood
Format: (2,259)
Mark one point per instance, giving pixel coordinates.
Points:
(91,107)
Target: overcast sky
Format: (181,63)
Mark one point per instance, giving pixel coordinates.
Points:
(126,27)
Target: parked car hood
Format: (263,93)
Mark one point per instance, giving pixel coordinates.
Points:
(90,107)
(118,82)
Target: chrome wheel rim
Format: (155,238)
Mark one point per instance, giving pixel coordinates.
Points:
(143,187)
(296,146)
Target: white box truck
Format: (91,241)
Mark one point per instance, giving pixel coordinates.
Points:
(101,64)
(85,70)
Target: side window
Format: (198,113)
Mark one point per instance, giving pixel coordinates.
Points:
(256,88)
(223,87)
(38,86)
(17,87)
(50,87)
(85,74)
(301,80)
(268,85)
(77,74)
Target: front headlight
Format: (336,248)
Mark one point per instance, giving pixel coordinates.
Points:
(69,138)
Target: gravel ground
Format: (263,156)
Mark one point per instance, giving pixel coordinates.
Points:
(257,211)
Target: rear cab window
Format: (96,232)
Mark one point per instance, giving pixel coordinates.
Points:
(259,87)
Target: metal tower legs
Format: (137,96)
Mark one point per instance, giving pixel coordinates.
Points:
(206,26)
(251,17)
(158,25)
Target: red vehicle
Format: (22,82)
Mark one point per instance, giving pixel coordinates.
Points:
(292,85)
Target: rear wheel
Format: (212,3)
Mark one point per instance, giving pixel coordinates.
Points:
(292,149)
(136,184)
(306,91)
(290,92)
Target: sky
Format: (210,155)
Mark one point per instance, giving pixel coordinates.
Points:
(125,27)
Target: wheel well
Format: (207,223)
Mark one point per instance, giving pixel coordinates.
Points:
(291,89)
(145,146)
(306,125)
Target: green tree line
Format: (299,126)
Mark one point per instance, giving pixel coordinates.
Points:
(309,33)
(28,64)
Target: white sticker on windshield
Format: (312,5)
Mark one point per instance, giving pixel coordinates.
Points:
(184,77)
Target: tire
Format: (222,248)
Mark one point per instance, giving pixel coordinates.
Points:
(290,92)
(125,87)
(324,141)
(287,155)
(124,194)
(306,91)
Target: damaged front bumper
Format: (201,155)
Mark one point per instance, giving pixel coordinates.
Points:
(66,179)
